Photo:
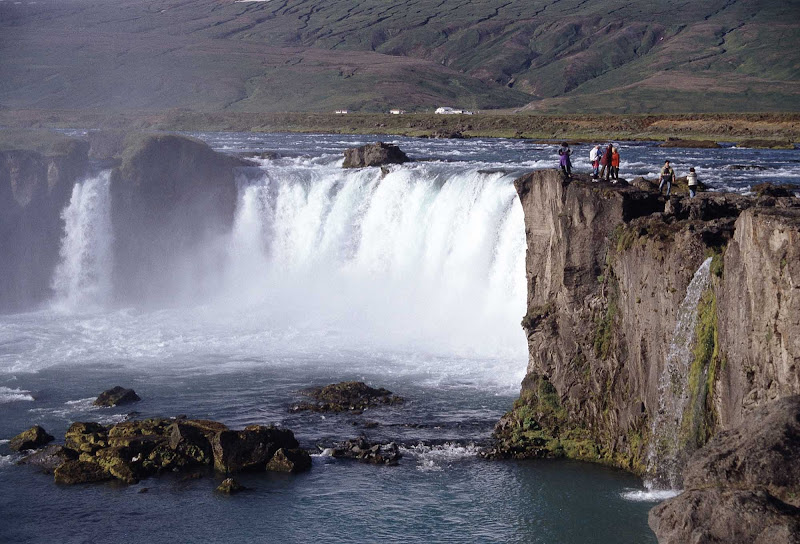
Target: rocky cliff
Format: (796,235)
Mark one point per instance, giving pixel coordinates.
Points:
(651,324)
(170,195)
(36,179)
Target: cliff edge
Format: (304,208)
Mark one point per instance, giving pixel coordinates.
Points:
(652,323)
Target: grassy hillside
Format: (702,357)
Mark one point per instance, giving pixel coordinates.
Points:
(370,55)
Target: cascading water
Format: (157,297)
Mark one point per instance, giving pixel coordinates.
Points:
(82,279)
(664,454)
(429,253)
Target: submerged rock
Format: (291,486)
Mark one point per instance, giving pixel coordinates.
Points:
(743,486)
(116,396)
(376,154)
(33,438)
(361,450)
(48,458)
(345,396)
(229,486)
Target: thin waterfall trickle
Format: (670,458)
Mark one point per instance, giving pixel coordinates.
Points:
(82,279)
(664,454)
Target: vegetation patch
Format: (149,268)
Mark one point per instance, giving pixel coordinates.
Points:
(605,324)
(535,315)
(699,420)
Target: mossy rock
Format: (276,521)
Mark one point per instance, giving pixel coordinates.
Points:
(86,437)
(290,460)
(32,439)
(80,472)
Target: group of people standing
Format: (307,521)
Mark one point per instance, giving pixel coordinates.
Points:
(605,165)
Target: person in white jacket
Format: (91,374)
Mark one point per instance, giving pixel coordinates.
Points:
(594,158)
(691,179)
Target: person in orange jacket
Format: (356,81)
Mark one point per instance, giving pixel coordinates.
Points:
(615,165)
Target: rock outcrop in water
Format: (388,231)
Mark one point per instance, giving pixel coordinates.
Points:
(344,397)
(37,173)
(171,196)
(607,271)
(32,439)
(116,396)
(376,154)
(133,450)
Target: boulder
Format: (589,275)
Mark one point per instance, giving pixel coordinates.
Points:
(32,439)
(80,472)
(249,449)
(290,460)
(777,191)
(376,154)
(191,443)
(743,486)
(345,396)
(229,486)
(48,458)
(121,463)
(116,396)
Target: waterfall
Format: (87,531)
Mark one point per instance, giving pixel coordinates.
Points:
(82,279)
(664,453)
(430,253)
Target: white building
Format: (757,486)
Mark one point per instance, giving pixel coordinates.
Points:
(444,110)
(397,112)
(342,112)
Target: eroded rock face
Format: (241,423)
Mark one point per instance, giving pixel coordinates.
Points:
(607,268)
(171,195)
(743,486)
(35,186)
(376,154)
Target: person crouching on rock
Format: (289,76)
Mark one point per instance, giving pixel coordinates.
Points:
(691,179)
(668,175)
(566,164)
(615,165)
(605,162)
(594,158)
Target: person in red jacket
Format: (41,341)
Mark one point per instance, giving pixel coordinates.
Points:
(605,162)
(615,165)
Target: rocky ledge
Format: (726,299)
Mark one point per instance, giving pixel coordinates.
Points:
(134,450)
(345,397)
(743,486)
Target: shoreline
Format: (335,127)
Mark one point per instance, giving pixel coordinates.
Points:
(779,130)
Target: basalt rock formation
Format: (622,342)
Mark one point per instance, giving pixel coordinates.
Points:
(170,195)
(37,173)
(608,268)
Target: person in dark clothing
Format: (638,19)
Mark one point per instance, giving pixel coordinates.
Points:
(605,162)
(667,175)
(564,153)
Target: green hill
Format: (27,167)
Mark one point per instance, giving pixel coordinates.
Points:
(370,55)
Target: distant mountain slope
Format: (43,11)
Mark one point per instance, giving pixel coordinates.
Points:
(369,55)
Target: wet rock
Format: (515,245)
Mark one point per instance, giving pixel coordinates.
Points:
(116,396)
(777,191)
(80,472)
(249,449)
(229,486)
(291,460)
(191,442)
(345,396)
(48,458)
(361,450)
(376,154)
(448,134)
(745,167)
(121,463)
(86,437)
(33,438)
(743,486)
